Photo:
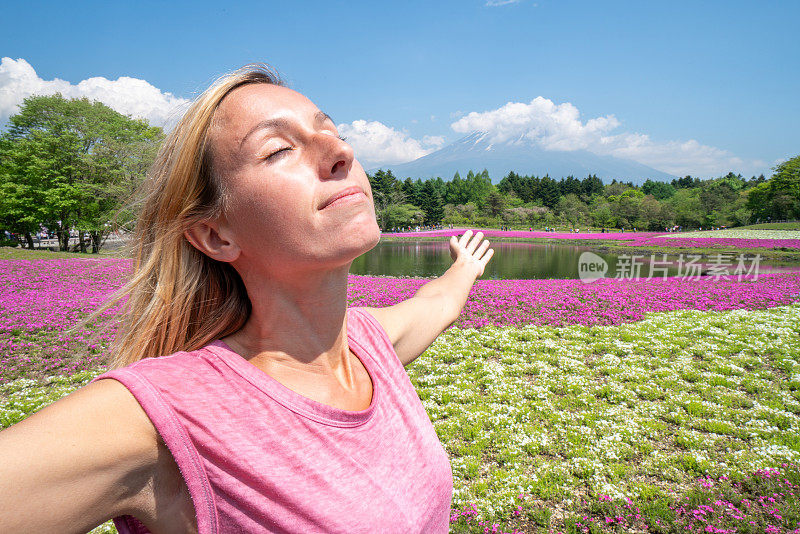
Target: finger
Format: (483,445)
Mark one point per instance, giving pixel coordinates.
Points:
(454,248)
(473,244)
(488,256)
(464,238)
(481,249)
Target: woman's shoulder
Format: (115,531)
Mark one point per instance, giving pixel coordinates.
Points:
(364,321)
(365,328)
(109,462)
(156,484)
(164,384)
(176,362)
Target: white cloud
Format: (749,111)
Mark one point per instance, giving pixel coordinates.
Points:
(559,127)
(495,3)
(129,96)
(554,127)
(677,157)
(435,141)
(376,144)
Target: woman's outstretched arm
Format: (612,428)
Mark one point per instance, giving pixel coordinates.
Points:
(415,323)
(77,462)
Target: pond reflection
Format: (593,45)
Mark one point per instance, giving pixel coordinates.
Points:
(512,260)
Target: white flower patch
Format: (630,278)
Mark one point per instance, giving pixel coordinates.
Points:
(740,233)
(574,403)
(610,359)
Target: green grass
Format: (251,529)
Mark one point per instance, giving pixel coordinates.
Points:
(10,253)
(567,416)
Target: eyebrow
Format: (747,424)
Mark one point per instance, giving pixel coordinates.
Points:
(274,124)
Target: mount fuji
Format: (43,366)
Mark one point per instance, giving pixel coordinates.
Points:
(475,152)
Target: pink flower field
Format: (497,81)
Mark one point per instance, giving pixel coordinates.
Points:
(604,302)
(42,301)
(41,304)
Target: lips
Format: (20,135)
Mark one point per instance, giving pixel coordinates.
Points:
(350,191)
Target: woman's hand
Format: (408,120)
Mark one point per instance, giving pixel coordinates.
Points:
(467,251)
(413,324)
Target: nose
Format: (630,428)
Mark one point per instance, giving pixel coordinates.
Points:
(336,157)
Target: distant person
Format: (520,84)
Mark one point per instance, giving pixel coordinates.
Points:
(244,395)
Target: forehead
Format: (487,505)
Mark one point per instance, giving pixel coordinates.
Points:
(245,106)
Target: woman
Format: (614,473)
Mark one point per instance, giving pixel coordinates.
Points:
(277,409)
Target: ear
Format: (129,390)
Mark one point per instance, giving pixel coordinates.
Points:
(207,237)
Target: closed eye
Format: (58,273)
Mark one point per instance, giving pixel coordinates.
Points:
(279,152)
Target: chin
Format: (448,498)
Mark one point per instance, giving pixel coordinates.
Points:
(370,237)
(368,229)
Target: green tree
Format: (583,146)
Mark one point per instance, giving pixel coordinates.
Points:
(572,209)
(591,186)
(778,197)
(386,191)
(63,166)
(478,187)
(629,209)
(469,211)
(123,162)
(570,186)
(687,207)
(457,191)
(656,215)
(432,203)
(413,191)
(739,214)
(687,182)
(518,215)
(511,184)
(402,215)
(496,202)
(603,216)
(660,190)
(21,201)
(716,198)
(549,192)
(386,188)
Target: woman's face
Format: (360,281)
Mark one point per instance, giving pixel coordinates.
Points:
(297,200)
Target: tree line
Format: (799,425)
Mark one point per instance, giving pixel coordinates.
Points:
(530,201)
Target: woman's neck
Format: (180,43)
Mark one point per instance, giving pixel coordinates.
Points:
(296,323)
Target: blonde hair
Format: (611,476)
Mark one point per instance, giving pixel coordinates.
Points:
(178,298)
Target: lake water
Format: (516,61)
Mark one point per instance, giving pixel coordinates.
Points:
(515,260)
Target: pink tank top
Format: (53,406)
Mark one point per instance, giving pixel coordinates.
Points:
(258,457)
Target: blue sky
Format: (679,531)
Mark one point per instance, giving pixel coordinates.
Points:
(684,87)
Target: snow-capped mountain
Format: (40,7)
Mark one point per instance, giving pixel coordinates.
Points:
(475,152)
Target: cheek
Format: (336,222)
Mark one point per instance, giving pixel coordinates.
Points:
(259,214)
